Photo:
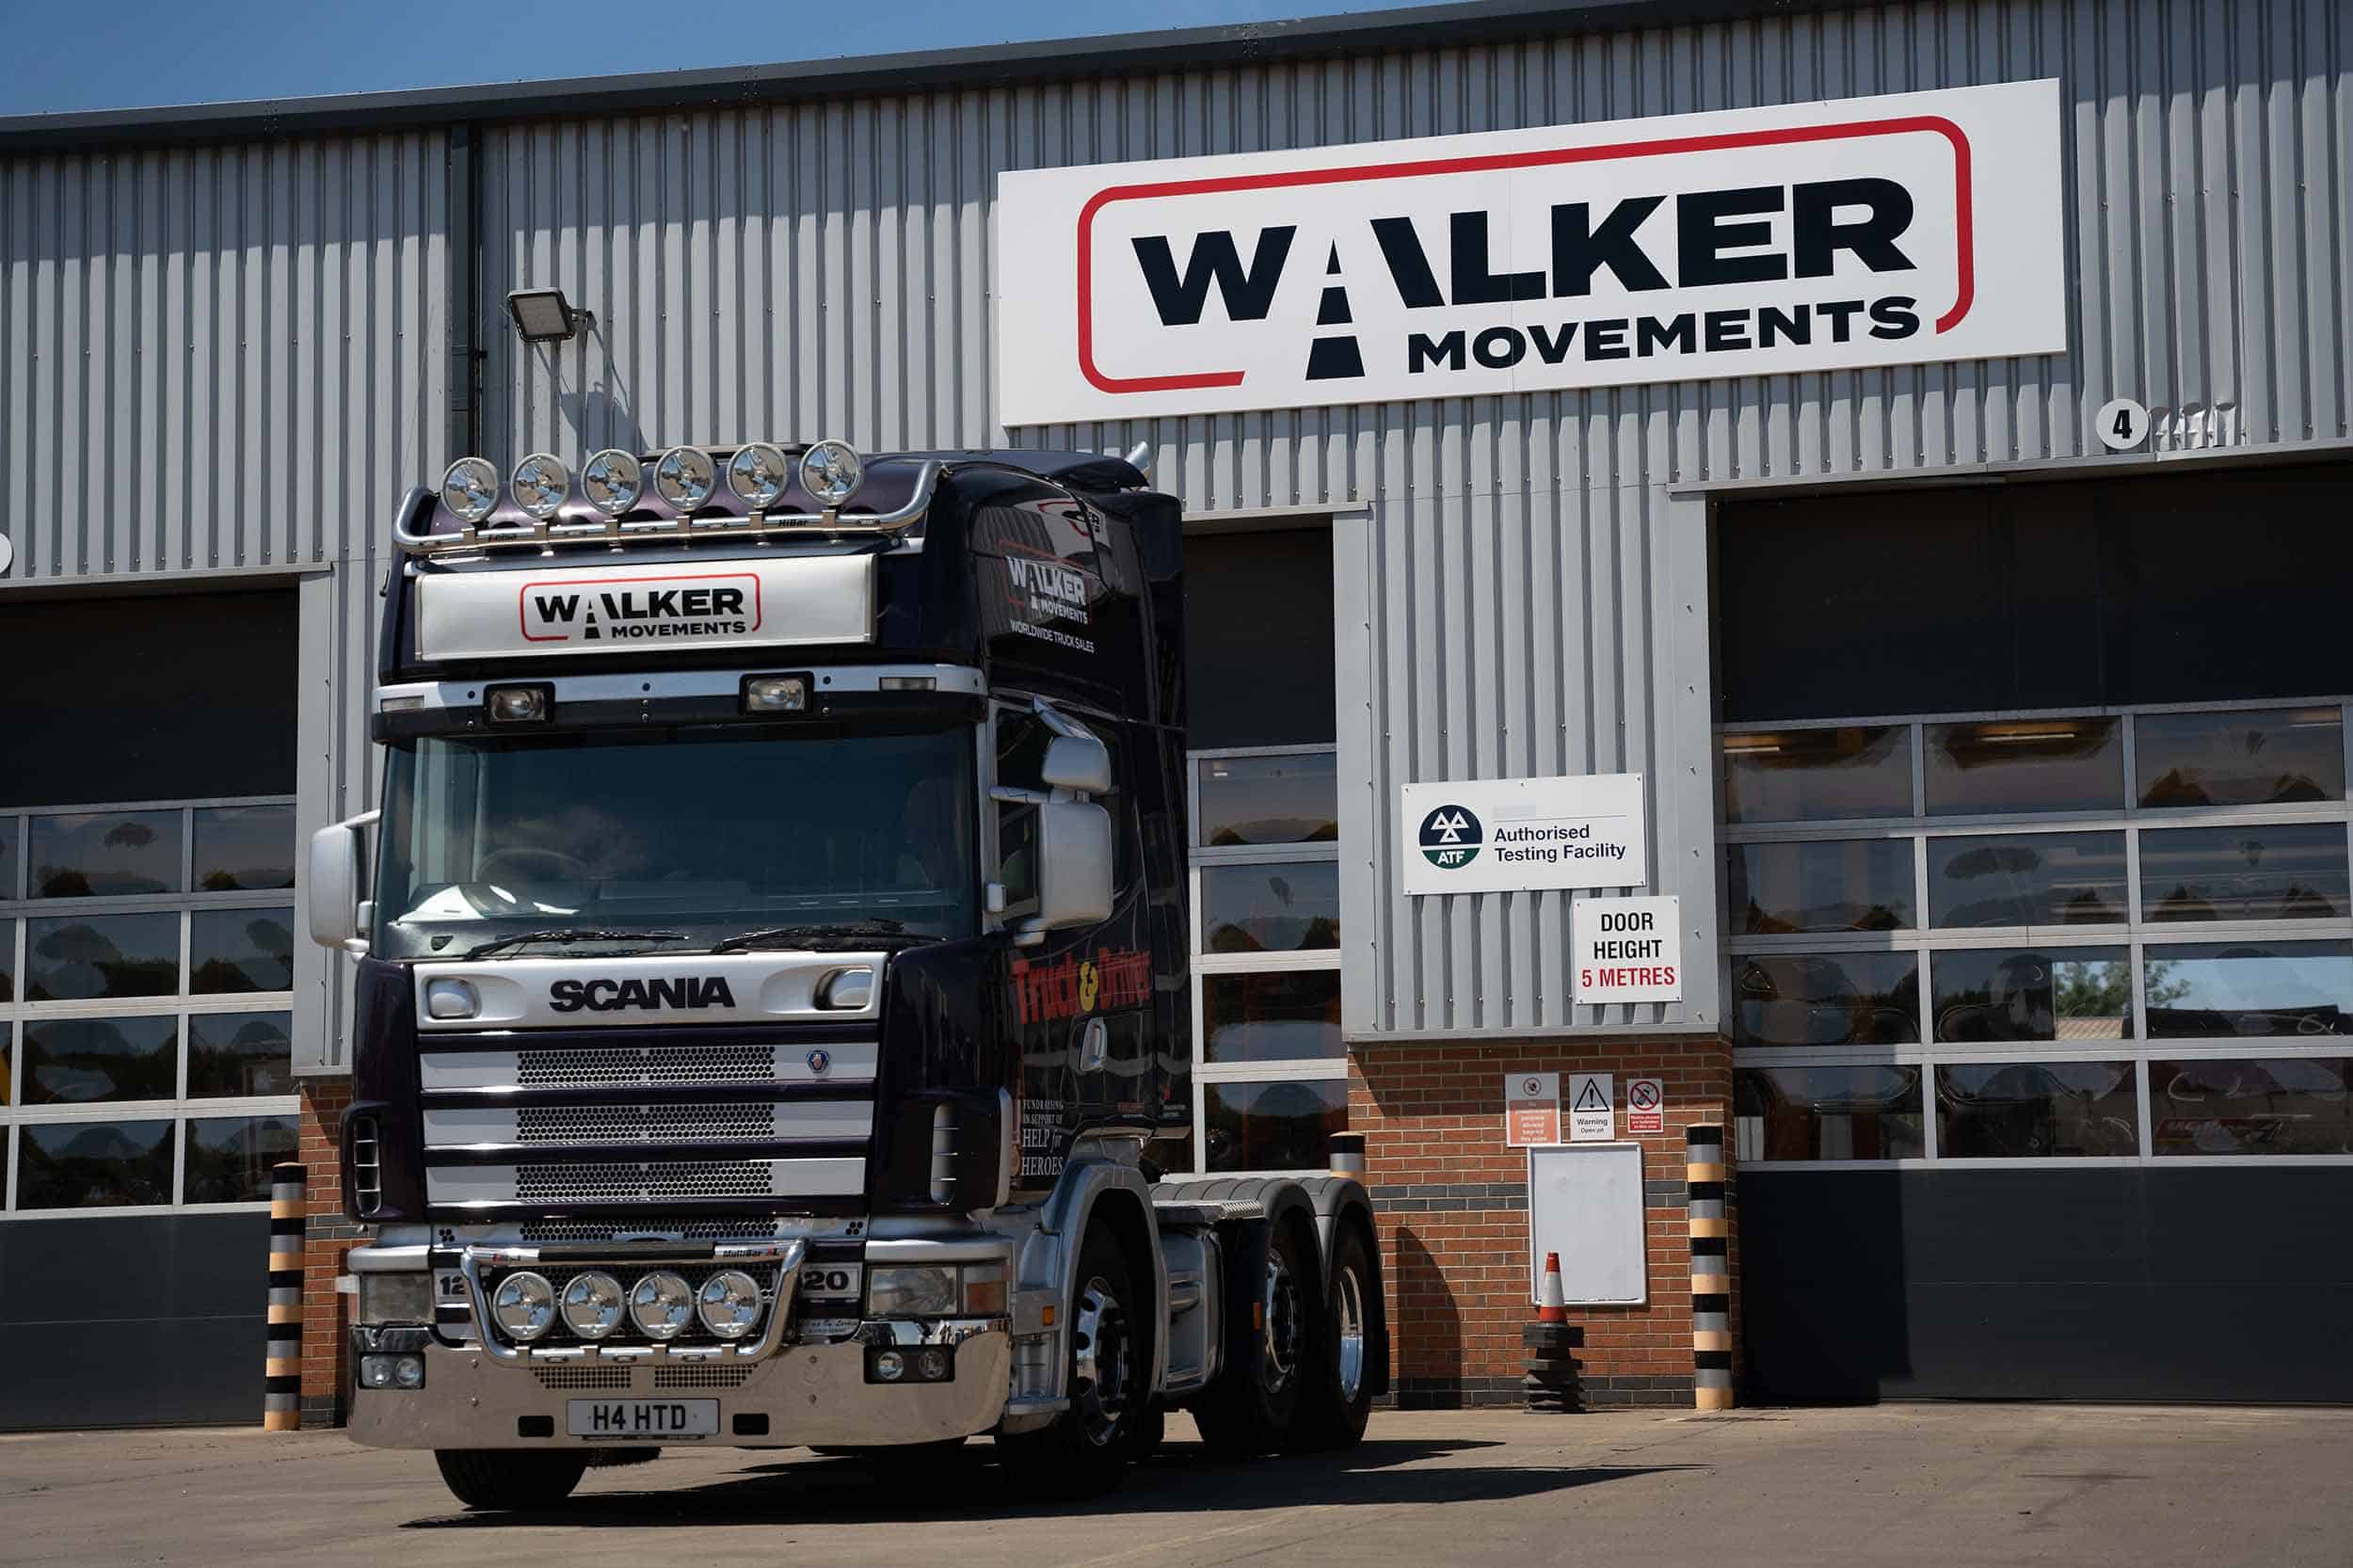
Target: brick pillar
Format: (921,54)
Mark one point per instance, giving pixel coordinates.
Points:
(1452,1202)
(329,1234)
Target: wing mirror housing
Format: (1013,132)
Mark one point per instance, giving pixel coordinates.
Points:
(1079,763)
(1074,867)
(338,916)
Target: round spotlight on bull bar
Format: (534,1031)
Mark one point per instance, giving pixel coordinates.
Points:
(729,1304)
(831,473)
(686,477)
(758,473)
(470,488)
(541,483)
(525,1304)
(612,480)
(592,1304)
(660,1304)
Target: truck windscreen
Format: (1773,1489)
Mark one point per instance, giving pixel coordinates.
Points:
(704,833)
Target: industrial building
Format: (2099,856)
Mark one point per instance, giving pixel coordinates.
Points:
(1910,441)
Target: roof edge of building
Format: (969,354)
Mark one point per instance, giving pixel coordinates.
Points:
(1308,39)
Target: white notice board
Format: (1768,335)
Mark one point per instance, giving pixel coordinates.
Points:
(1585,1202)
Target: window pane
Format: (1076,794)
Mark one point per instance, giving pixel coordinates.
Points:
(2027,879)
(2025,765)
(2245,758)
(2278,1105)
(1988,995)
(244,848)
(1286,908)
(1268,800)
(240,949)
(229,1156)
(1817,775)
(240,1053)
(8,858)
(93,1164)
(2033,1109)
(2284,872)
(1273,1127)
(2230,989)
(8,962)
(1864,1112)
(105,855)
(1271,1017)
(1861,885)
(70,1061)
(80,958)
(1848,999)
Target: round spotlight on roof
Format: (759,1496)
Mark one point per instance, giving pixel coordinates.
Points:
(831,473)
(612,480)
(470,488)
(686,477)
(757,472)
(540,483)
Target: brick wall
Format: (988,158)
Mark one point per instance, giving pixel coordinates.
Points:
(1453,1212)
(328,1234)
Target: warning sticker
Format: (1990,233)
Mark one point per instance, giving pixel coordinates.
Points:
(1593,1111)
(1645,1105)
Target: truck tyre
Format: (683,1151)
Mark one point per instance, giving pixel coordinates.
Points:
(505,1477)
(1090,1443)
(1251,1406)
(1338,1398)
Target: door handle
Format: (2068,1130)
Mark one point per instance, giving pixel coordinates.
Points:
(1095,1046)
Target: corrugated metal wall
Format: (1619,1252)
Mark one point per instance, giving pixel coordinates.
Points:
(1521,595)
(221,359)
(1518,600)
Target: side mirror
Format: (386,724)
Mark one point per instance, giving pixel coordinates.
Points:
(335,883)
(1076,762)
(1074,864)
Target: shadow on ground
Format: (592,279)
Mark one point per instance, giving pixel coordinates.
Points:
(1181,1480)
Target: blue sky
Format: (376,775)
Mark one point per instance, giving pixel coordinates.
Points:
(119,54)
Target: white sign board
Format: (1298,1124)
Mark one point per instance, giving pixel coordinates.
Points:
(1899,230)
(1585,1202)
(564,609)
(1593,1111)
(1628,949)
(1509,835)
(1531,1108)
(1645,1106)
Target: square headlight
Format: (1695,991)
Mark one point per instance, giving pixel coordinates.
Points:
(396,1298)
(924,1291)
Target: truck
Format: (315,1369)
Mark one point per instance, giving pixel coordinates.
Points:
(769,984)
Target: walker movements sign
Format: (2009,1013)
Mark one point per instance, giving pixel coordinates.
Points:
(1512,835)
(1894,230)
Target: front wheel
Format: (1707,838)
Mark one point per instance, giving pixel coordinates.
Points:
(1084,1452)
(508,1477)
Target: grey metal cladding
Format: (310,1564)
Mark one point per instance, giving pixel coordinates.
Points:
(1521,593)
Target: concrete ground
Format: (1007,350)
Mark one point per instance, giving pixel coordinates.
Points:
(1947,1485)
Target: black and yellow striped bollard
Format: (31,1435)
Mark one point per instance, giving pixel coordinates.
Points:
(1711,1277)
(281,1398)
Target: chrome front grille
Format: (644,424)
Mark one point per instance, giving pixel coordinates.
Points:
(643,1124)
(570,1069)
(646,1182)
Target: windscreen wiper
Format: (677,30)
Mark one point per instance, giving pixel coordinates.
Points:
(845,936)
(570,934)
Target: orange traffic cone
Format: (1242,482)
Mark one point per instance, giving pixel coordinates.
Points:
(1551,1307)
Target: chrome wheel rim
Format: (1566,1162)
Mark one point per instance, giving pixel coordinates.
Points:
(1284,1329)
(1102,1362)
(1349,1319)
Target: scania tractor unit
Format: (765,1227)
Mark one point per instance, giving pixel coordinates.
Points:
(771,985)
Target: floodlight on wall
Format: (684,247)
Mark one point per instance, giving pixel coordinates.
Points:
(544,316)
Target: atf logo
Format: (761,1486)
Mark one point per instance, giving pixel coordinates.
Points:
(1450,838)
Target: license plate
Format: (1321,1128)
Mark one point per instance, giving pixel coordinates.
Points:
(641,1417)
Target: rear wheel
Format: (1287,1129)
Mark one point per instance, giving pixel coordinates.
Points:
(1338,1395)
(1251,1406)
(508,1478)
(1091,1442)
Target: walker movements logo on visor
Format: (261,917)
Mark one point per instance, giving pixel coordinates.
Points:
(1759,241)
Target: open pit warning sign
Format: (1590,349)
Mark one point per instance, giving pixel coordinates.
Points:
(1628,949)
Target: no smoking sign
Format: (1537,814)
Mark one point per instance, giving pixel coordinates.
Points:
(1645,1105)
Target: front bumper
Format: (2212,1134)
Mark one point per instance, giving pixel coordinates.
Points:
(802,1395)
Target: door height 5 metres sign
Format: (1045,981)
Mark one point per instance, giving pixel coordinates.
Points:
(1511,835)
(1911,227)
(1628,949)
